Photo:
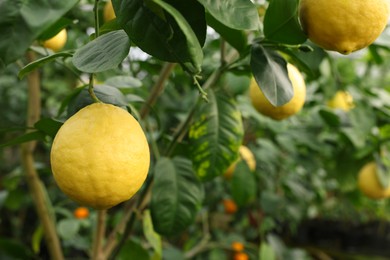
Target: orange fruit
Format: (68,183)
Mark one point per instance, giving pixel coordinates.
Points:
(237,246)
(81,213)
(230,206)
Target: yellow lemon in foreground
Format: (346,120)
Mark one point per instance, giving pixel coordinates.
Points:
(100,156)
(260,102)
(245,154)
(57,42)
(108,11)
(343,25)
(369,184)
(341,100)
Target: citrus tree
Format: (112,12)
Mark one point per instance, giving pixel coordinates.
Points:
(195,129)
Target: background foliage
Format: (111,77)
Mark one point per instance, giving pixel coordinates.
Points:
(307,165)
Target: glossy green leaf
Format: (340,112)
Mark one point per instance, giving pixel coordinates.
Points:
(215,135)
(281,23)
(270,72)
(236,14)
(103,53)
(176,195)
(244,186)
(163,30)
(40,62)
(22,22)
(235,38)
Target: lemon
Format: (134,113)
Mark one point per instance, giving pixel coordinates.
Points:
(108,11)
(100,156)
(245,154)
(292,107)
(344,26)
(341,100)
(57,42)
(368,182)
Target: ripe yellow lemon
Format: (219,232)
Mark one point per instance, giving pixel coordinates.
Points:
(57,42)
(341,100)
(100,156)
(344,26)
(108,11)
(368,182)
(245,154)
(296,103)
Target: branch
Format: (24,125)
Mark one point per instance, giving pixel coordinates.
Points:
(34,183)
(157,88)
(97,252)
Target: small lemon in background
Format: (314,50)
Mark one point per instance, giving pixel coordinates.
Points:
(246,155)
(368,182)
(341,100)
(261,103)
(57,42)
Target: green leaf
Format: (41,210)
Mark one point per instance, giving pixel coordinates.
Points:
(123,82)
(281,23)
(235,38)
(37,239)
(330,118)
(270,202)
(193,46)
(68,228)
(162,30)
(48,126)
(103,53)
(27,137)
(266,252)
(133,250)
(13,249)
(151,236)
(40,62)
(243,184)
(3,196)
(106,94)
(270,72)
(215,135)
(176,195)
(22,22)
(236,14)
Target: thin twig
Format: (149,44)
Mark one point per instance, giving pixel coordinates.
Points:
(157,88)
(97,252)
(35,184)
(119,228)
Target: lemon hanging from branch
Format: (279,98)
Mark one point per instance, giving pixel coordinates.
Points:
(100,156)
(344,26)
(261,103)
